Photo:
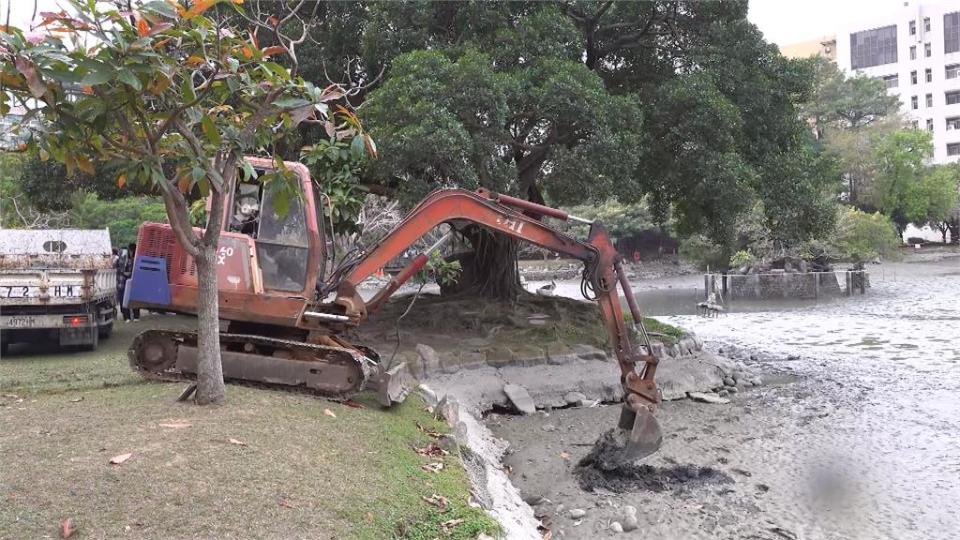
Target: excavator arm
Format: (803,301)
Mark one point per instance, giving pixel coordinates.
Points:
(512,217)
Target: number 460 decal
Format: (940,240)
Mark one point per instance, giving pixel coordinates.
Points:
(223,253)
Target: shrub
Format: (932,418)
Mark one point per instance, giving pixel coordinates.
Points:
(862,236)
(703,253)
(741,258)
(122,216)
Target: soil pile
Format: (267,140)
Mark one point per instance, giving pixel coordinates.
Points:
(600,470)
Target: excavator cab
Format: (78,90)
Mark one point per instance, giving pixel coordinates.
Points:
(270,255)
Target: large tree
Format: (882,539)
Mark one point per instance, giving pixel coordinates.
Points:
(158,88)
(579,101)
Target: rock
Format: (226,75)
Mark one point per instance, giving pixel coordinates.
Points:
(630,523)
(589,352)
(723,393)
(629,510)
(548,428)
(520,398)
(574,398)
(534,500)
(577,513)
(707,398)
(729,381)
(429,362)
(616,527)
(756,381)
(733,389)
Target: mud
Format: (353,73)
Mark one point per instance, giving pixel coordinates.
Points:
(601,469)
(852,435)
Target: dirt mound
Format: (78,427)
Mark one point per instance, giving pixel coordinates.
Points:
(598,470)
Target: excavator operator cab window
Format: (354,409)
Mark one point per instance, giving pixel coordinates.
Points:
(281,238)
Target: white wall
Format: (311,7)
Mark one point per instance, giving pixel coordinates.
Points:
(940,110)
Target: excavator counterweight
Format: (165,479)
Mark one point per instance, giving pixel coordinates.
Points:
(285,312)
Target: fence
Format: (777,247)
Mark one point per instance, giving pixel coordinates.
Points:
(773,285)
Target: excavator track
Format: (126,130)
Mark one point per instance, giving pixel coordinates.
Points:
(264,362)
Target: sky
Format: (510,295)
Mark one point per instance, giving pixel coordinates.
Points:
(788,21)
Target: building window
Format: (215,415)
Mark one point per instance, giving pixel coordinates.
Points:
(951,32)
(913,28)
(913,77)
(929,124)
(953,123)
(873,47)
(953,149)
(892,81)
(927,51)
(926,24)
(928,74)
(915,124)
(929,100)
(913,102)
(952,71)
(952,98)
(913,52)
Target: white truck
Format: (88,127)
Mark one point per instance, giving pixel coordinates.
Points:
(56,285)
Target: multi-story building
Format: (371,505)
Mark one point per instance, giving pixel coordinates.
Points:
(916,51)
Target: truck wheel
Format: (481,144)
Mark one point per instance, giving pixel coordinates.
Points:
(105,331)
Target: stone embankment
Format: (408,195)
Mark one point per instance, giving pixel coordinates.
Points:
(465,388)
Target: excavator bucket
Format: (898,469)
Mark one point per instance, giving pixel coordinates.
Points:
(638,436)
(392,385)
(645,436)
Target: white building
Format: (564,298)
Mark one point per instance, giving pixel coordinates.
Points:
(917,52)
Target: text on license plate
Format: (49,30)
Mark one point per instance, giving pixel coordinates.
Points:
(20,321)
(23,291)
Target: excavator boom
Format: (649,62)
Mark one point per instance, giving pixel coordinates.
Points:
(279,329)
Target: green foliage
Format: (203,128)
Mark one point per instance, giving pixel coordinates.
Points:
(335,167)
(863,236)
(171,98)
(10,167)
(901,164)
(47,187)
(443,272)
(705,254)
(934,196)
(846,102)
(741,258)
(122,216)
(621,220)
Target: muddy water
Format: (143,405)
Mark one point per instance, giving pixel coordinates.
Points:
(856,436)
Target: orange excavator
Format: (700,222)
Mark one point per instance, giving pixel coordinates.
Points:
(285,304)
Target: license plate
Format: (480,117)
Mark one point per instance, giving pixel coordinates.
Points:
(22,291)
(24,321)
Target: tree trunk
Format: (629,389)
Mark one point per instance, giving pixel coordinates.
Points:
(210,388)
(954,225)
(491,270)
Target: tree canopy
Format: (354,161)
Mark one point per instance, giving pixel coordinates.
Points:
(580,101)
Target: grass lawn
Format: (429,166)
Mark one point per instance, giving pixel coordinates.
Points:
(297,471)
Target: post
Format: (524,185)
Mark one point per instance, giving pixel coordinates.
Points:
(706,287)
(816,285)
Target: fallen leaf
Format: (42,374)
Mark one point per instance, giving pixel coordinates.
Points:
(354,404)
(176,425)
(431,449)
(436,500)
(238,443)
(329,413)
(116,460)
(76,399)
(433,467)
(451,523)
(66,528)
(433,433)
(564,455)
(286,504)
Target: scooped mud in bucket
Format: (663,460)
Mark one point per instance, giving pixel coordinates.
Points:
(605,467)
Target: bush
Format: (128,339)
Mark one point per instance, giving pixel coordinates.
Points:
(741,258)
(862,236)
(703,253)
(122,216)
